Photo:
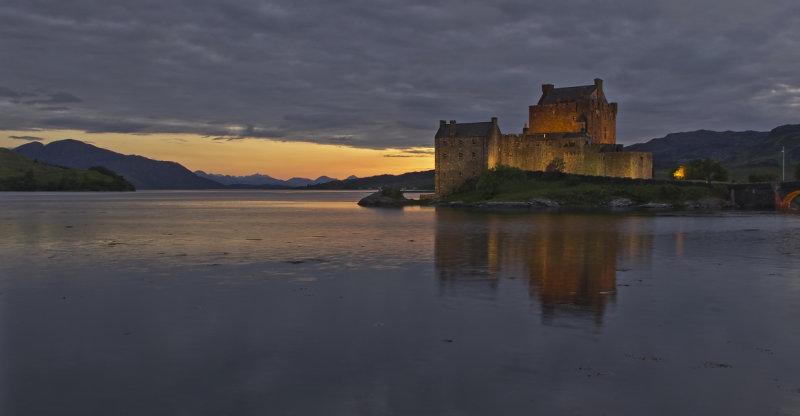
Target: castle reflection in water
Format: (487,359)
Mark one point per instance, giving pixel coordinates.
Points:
(568,262)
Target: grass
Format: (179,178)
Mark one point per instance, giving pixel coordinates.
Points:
(508,184)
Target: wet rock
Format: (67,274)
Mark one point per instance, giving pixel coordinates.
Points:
(450,204)
(655,205)
(709,204)
(620,203)
(384,199)
(543,203)
(498,204)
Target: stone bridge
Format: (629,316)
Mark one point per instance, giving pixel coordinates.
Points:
(764,195)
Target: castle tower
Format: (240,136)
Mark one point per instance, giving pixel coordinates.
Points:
(581,109)
(462,152)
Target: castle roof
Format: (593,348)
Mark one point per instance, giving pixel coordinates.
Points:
(572,94)
(465,130)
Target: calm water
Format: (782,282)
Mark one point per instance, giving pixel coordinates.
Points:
(303,303)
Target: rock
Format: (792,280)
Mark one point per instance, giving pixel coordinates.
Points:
(380,199)
(620,203)
(655,205)
(450,204)
(497,204)
(709,204)
(543,203)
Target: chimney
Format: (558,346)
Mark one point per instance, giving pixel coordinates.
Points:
(494,121)
(546,88)
(598,83)
(442,123)
(452,128)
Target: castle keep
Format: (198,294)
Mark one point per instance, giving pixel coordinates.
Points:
(572,130)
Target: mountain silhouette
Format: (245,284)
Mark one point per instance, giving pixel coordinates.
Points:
(144,173)
(262,181)
(700,144)
(741,152)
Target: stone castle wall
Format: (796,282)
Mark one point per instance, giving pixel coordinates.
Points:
(580,156)
(458,159)
(596,119)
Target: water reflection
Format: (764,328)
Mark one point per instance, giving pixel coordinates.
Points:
(568,262)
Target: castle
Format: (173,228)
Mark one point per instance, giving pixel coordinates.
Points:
(571,130)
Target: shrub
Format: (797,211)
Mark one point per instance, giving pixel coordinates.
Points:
(669,192)
(706,169)
(556,165)
(392,193)
(491,181)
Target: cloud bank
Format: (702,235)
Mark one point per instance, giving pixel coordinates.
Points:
(380,74)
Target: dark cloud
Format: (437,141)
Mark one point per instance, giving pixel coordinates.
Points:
(9,93)
(57,98)
(412,153)
(381,74)
(29,138)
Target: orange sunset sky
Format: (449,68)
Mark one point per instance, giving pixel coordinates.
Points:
(281,160)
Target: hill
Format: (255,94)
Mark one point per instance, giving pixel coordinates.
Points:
(144,173)
(413,180)
(19,173)
(766,156)
(699,144)
(741,153)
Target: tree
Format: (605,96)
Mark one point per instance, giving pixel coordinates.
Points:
(706,169)
(556,165)
(555,169)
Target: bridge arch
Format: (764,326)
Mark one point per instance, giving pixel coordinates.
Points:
(786,203)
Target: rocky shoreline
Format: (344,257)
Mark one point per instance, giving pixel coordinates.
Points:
(620,203)
(382,200)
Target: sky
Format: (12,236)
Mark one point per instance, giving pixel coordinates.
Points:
(319,87)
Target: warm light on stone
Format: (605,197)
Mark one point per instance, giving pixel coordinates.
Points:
(573,125)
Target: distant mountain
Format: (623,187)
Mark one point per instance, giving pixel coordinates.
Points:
(413,180)
(766,155)
(298,182)
(699,144)
(741,152)
(261,181)
(254,180)
(144,173)
(19,173)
